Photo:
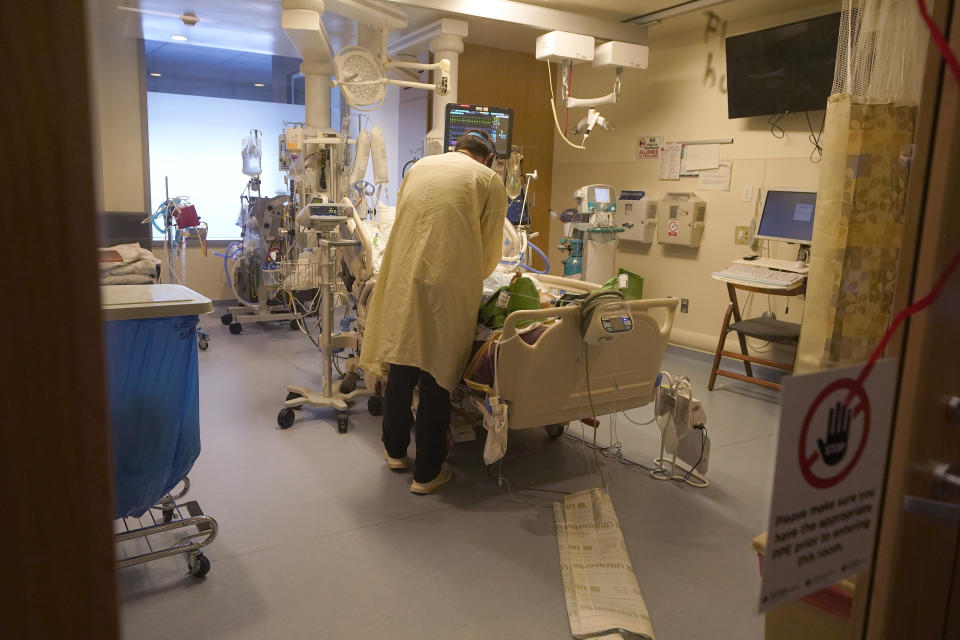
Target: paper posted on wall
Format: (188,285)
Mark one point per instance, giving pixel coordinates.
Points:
(716,179)
(697,157)
(600,587)
(669,168)
(648,147)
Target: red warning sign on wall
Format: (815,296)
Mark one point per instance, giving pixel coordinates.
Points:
(672,228)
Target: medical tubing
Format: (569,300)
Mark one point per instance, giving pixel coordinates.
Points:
(542,255)
(553,107)
(226,255)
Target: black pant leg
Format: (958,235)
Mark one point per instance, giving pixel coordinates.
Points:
(397,413)
(433,420)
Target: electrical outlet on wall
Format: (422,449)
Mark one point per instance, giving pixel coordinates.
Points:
(741,235)
(684,305)
(747,195)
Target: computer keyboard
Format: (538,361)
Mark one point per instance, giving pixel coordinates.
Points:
(759,275)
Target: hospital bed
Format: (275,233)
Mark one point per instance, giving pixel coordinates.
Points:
(545,384)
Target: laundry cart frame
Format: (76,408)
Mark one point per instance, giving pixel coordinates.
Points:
(141,302)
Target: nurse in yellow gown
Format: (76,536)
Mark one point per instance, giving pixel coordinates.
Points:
(447,237)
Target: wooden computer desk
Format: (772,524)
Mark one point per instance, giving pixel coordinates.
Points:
(776,331)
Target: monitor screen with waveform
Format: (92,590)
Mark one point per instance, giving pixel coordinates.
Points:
(497,121)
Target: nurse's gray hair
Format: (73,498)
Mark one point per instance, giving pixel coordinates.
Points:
(476,142)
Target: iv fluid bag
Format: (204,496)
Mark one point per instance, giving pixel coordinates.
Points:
(359,169)
(514,175)
(378,151)
(250,151)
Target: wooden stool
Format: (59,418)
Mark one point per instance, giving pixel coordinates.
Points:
(776,331)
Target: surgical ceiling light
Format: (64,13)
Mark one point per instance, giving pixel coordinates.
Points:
(179,38)
(156,75)
(258,84)
(361,76)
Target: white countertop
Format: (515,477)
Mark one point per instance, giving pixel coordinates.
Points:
(135,301)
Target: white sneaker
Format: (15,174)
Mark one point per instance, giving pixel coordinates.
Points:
(397,464)
(423,488)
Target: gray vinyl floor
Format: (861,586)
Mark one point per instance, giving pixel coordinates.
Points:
(319,540)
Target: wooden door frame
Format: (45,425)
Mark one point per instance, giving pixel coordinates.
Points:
(929,241)
(55,460)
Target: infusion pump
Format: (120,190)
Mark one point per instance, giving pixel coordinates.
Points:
(680,218)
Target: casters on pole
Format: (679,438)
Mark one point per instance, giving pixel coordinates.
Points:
(203,340)
(226,319)
(236,328)
(294,325)
(342,417)
(286,417)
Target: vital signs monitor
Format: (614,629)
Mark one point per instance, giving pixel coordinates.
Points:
(497,121)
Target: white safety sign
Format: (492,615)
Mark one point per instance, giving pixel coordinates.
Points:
(831,454)
(648,147)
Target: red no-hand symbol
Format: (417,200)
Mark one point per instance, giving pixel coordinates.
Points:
(855,398)
(672,227)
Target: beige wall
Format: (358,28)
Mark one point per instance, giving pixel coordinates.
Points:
(204,273)
(119,114)
(670,99)
(118,83)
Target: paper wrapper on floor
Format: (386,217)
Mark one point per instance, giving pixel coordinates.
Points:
(600,588)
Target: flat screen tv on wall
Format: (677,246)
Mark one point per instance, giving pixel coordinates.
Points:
(785,69)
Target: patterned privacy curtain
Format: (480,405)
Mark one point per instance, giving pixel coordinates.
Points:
(867,145)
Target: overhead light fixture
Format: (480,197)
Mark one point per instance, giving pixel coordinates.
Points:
(179,38)
(156,75)
(258,84)
(679,9)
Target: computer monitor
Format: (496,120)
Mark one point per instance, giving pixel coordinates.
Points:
(787,215)
(497,121)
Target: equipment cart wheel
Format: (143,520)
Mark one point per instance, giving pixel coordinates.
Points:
(167,514)
(226,319)
(292,395)
(294,325)
(236,328)
(286,417)
(199,565)
(554,431)
(375,405)
(342,422)
(203,342)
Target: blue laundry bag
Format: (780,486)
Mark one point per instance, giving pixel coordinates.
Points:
(154,403)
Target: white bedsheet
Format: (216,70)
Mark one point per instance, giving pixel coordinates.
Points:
(127,278)
(137,261)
